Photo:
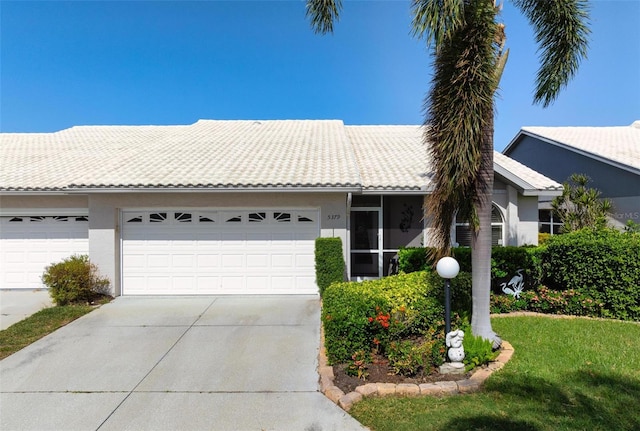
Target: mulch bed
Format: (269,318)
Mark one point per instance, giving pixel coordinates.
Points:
(380,372)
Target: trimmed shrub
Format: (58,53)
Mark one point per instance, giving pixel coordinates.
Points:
(329,262)
(603,265)
(414,259)
(74,280)
(505,261)
(460,291)
(371,314)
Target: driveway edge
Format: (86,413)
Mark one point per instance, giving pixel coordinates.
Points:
(463,386)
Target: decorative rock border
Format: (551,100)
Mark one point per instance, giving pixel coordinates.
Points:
(346,401)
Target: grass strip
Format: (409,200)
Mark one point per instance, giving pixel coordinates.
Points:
(36,326)
(566,374)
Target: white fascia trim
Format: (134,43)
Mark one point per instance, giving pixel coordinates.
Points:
(33,193)
(353,189)
(395,192)
(512,178)
(15,212)
(524,187)
(512,143)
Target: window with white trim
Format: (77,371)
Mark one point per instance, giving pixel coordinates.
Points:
(549,222)
(462,233)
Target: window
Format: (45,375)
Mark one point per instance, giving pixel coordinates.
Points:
(282,217)
(549,222)
(257,217)
(183,217)
(157,217)
(463,233)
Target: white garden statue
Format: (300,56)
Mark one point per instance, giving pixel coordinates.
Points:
(454,343)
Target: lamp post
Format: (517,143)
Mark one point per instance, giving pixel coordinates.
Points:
(447,268)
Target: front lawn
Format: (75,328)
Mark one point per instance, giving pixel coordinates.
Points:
(566,374)
(36,326)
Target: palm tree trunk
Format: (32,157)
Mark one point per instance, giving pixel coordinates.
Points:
(481,242)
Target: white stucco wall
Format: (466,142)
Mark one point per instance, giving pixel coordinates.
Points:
(32,204)
(528,220)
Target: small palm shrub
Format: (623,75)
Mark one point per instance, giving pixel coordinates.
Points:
(74,280)
(477,351)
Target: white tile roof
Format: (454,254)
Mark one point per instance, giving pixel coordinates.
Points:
(241,154)
(618,145)
(529,181)
(213,154)
(390,157)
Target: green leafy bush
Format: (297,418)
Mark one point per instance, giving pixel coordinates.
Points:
(414,259)
(74,280)
(505,261)
(371,314)
(602,265)
(460,291)
(329,262)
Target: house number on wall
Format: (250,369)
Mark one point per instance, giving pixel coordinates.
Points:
(333,217)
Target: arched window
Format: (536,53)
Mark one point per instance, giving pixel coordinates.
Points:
(462,233)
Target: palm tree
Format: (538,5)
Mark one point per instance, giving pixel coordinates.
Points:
(467,42)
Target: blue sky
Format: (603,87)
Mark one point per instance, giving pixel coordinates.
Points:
(174,62)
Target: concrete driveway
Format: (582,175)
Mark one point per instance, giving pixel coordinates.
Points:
(175,363)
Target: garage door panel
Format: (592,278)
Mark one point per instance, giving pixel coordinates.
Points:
(244,251)
(305,261)
(282,260)
(208,261)
(28,244)
(230,261)
(156,261)
(257,261)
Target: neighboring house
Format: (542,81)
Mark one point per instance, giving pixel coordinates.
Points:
(609,156)
(226,207)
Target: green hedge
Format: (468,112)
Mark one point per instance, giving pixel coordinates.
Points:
(603,265)
(358,316)
(330,267)
(505,261)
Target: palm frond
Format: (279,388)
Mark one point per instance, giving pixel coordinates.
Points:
(323,13)
(562,32)
(459,114)
(436,20)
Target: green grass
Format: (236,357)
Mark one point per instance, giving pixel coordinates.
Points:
(565,374)
(36,326)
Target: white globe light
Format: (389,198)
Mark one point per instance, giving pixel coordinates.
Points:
(447,267)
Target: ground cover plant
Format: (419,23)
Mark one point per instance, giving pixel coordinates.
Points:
(565,374)
(36,326)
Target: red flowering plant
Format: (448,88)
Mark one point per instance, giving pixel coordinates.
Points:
(386,327)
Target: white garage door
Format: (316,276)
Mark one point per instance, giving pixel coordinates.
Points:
(28,244)
(219,252)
